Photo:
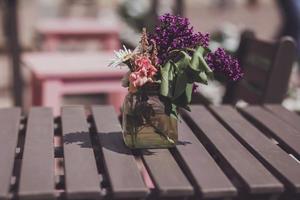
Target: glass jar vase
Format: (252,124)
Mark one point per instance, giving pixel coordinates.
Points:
(146,120)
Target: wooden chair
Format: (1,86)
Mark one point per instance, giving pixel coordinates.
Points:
(267,67)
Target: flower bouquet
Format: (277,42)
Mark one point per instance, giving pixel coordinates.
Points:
(163,70)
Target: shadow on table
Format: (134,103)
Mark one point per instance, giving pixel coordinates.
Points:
(81,139)
(183,143)
(112,141)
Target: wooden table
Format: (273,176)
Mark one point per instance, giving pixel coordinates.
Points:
(223,153)
(53,31)
(55,74)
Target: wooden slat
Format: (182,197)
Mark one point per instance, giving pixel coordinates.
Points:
(283,62)
(261,49)
(278,161)
(257,63)
(81,175)
(9,129)
(280,130)
(249,93)
(167,175)
(37,172)
(289,117)
(208,178)
(256,77)
(121,168)
(256,178)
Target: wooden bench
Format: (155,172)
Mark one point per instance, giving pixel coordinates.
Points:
(55,74)
(223,153)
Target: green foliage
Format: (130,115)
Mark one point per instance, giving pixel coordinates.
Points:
(179,74)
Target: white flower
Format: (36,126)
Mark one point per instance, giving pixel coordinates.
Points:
(120,56)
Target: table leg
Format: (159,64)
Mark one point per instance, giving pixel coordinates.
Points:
(144,172)
(51,43)
(36,91)
(51,95)
(111,42)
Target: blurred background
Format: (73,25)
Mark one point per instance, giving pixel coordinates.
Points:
(54,47)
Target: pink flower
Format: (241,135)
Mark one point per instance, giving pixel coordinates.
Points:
(137,79)
(142,61)
(151,71)
(143,74)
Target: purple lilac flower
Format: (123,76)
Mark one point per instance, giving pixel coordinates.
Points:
(221,62)
(174,32)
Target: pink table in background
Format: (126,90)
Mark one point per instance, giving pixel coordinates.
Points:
(55,30)
(56,74)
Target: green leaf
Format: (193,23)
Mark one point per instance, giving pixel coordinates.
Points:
(182,78)
(180,84)
(195,62)
(177,78)
(188,92)
(184,61)
(204,66)
(164,86)
(203,78)
(174,112)
(199,70)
